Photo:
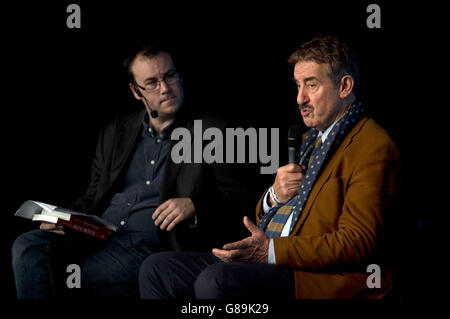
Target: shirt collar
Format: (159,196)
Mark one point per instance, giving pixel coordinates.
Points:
(147,129)
(324,134)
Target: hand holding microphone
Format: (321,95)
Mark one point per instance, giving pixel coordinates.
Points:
(289,177)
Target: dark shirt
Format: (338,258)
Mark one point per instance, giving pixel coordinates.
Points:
(131,209)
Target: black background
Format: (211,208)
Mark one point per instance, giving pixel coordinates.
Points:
(62,85)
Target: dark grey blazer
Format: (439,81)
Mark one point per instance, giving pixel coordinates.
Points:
(220,192)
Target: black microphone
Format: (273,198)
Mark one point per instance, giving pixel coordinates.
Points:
(294,143)
(153,113)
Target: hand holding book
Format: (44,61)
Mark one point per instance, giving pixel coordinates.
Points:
(55,228)
(53,218)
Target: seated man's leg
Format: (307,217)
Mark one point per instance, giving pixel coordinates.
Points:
(245,280)
(113,271)
(171,275)
(39,261)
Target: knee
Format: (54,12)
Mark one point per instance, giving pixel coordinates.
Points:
(154,266)
(155,277)
(212,282)
(28,242)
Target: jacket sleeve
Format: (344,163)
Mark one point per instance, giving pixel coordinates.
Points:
(365,193)
(86,201)
(225,194)
(221,209)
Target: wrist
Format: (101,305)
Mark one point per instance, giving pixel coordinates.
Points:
(273,200)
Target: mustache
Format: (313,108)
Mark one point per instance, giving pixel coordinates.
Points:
(305,106)
(166,98)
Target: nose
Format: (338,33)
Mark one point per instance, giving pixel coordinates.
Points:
(163,86)
(302,97)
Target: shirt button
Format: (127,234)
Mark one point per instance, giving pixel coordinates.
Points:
(129,204)
(158,140)
(150,129)
(152,162)
(122,222)
(147,182)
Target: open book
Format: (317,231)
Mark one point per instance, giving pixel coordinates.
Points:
(89,224)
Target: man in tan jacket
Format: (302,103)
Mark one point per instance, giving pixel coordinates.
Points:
(322,226)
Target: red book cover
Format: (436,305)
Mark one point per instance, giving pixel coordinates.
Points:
(84,229)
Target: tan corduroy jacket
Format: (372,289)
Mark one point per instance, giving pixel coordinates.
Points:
(341,230)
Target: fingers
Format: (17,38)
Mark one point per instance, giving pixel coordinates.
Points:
(288,181)
(241,244)
(228,255)
(291,168)
(165,216)
(252,228)
(162,213)
(170,219)
(51,227)
(174,222)
(173,211)
(160,209)
(47,226)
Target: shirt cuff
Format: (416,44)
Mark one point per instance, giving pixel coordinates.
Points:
(271,254)
(193,224)
(266,206)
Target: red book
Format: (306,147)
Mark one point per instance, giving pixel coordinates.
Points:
(88,224)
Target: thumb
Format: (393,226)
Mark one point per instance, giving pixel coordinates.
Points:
(252,228)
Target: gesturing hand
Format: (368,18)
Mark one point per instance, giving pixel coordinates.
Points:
(250,249)
(173,211)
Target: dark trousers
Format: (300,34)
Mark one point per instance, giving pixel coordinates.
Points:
(186,275)
(40,259)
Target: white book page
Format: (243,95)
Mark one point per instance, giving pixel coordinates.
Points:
(45,206)
(45,218)
(57,214)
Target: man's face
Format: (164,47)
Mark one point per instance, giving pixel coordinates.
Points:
(168,99)
(318,95)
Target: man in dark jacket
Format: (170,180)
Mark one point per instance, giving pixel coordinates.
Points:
(155,203)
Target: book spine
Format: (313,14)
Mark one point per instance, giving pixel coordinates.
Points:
(83,229)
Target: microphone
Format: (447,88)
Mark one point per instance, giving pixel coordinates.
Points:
(294,143)
(153,113)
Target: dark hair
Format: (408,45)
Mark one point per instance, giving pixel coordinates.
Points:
(147,48)
(331,50)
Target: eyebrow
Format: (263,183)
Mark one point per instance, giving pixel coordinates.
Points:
(310,78)
(155,79)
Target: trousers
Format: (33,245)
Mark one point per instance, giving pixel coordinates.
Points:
(40,260)
(188,275)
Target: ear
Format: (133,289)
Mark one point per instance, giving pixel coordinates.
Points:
(133,90)
(346,86)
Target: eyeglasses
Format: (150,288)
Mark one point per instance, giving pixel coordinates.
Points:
(152,86)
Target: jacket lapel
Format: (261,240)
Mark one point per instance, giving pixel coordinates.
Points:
(326,173)
(172,169)
(125,139)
